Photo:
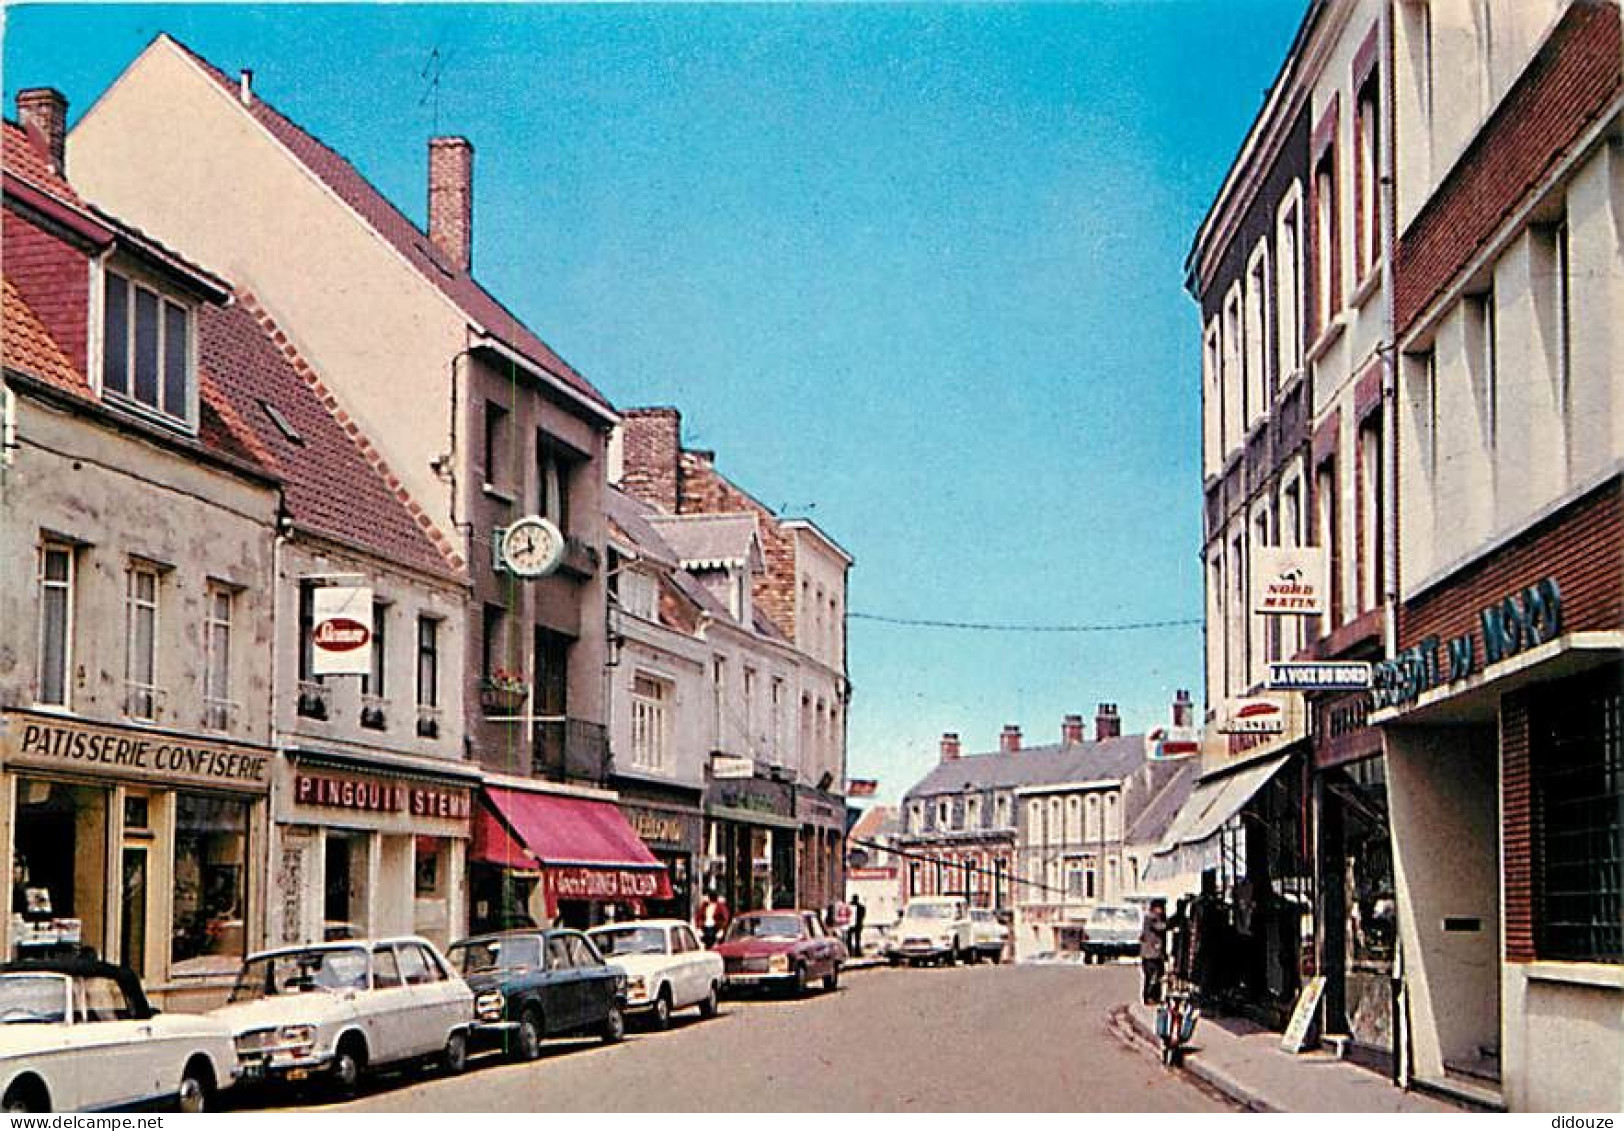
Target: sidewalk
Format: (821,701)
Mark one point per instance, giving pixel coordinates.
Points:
(1247,1064)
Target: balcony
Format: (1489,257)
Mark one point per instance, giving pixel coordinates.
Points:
(428,721)
(372,712)
(572,750)
(314,699)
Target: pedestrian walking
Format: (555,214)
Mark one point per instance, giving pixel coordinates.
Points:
(1153,951)
(713,918)
(854,942)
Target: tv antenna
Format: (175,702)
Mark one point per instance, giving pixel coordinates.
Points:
(433,68)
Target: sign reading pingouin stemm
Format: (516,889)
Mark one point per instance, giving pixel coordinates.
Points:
(1289,581)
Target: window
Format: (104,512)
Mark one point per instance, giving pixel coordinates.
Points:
(386,969)
(496,445)
(719,700)
(1366,146)
(147,349)
(141,643)
(307,628)
(1326,529)
(491,653)
(55,653)
(1370,512)
(1327,270)
(1576,742)
(1288,285)
(1484,362)
(1091,818)
(1563,279)
(1213,408)
(419,969)
(552,484)
(775,707)
(651,731)
(1239,661)
(211,892)
(217,669)
(582,953)
(373,682)
(1259,377)
(1236,411)
(428,662)
(639,594)
(1269,645)
(750,708)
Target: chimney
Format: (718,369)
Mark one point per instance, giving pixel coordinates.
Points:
(451,199)
(1107,724)
(43,112)
(245,87)
(1071,730)
(1183,709)
(950,747)
(651,456)
(1010,741)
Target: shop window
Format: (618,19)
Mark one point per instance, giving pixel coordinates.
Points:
(59,866)
(141,694)
(429,868)
(217,705)
(1577,752)
(55,653)
(651,728)
(211,884)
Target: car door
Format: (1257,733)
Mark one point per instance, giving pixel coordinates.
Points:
(109,1058)
(819,958)
(691,976)
(563,1003)
(443,1002)
(387,1007)
(594,981)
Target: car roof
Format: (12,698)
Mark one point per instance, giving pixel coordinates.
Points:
(81,967)
(518,933)
(665,923)
(340,944)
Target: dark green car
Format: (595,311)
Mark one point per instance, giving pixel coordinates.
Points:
(533,984)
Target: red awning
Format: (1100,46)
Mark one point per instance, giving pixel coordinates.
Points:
(587,848)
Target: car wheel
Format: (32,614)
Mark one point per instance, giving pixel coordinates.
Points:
(614,1026)
(196,1088)
(528,1044)
(26,1097)
(349,1063)
(709,1007)
(455,1058)
(832,979)
(953,957)
(660,1015)
(799,986)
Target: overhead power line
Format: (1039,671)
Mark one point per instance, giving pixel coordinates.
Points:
(986,626)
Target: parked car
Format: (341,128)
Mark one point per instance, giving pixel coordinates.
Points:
(666,968)
(781,948)
(78,1035)
(933,929)
(1111,930)
(988,936)
(335,1011)
(535,984)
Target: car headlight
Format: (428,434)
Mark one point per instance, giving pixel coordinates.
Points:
(296,1040)
(778,964)
(636,986)
(488,1006)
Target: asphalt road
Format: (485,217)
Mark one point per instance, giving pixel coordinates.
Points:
(987,1038)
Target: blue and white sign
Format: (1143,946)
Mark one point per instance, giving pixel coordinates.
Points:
(1338,675)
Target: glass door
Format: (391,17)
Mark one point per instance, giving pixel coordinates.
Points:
(133,909)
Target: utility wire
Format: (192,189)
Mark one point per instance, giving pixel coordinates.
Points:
(985,626)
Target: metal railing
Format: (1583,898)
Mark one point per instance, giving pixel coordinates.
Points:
(570,750)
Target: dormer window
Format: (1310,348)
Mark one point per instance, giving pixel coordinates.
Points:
(147,354)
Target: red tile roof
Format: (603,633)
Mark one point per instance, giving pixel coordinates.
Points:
(336,484)
(23,157)
(29,348)
(355,190)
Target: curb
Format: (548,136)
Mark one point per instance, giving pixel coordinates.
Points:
(1214,1078)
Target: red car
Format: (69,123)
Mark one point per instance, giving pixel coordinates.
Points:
(788,949)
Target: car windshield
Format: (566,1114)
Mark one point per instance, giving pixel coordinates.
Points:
(928,911)
(614,941)
(765,927)
(26,998)
(1115,917)
(483,955)
(302,971)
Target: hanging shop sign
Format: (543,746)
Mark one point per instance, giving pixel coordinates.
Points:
(1289,581)
(341,630)
(1514,624)
(724,767)
(1337,675)
(43,743)
(1165,744)
(1254,716)
(374,795)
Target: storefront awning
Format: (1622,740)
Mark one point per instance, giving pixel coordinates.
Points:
(585,848)
(1216,798)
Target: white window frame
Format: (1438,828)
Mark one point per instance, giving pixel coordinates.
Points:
(1366,147)
(652,697)
(1234,372)
(1290,328)
(1212,363)
(1258,312)
(218,706)
(97,354)
(1370,441)
(47,547)
(139,694)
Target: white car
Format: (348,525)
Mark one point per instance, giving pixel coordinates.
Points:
(335,1010)
(987,934)
(933,929)
(78,1035)
(666,967)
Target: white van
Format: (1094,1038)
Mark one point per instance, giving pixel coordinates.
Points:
(934,929)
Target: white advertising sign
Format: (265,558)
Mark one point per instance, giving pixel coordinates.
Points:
(1289,582)
(341,631)
(1253,716)
(724,767)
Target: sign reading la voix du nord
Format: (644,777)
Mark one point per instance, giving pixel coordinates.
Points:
(1335,675)
(1289,581)
(341,630)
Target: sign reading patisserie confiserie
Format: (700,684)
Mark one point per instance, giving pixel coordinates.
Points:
(45,743)
(341,630)
(377,795)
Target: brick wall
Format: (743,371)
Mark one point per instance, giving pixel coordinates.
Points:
(704,490)
(54,279)
(1582,546)
(1564,88)
(651,443)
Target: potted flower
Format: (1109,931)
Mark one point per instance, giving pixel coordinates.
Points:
(503,690)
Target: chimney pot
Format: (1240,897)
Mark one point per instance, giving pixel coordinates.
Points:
(42,111)
(1107,723)
(1010,741)
(1183,709)
(451,199)
(950,746)
(1071,730)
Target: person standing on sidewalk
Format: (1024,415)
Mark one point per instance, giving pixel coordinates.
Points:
(713,918)
(1153,951)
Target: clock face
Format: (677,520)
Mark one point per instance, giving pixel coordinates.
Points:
(532,547)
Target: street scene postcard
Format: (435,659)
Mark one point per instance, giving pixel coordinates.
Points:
(812,558)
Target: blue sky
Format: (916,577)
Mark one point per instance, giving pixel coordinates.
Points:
(915,272)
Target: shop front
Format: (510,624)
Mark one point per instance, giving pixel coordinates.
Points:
(369,846)
(674,833)
(752,843)
(558,857)
(821,851)
(145,847)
